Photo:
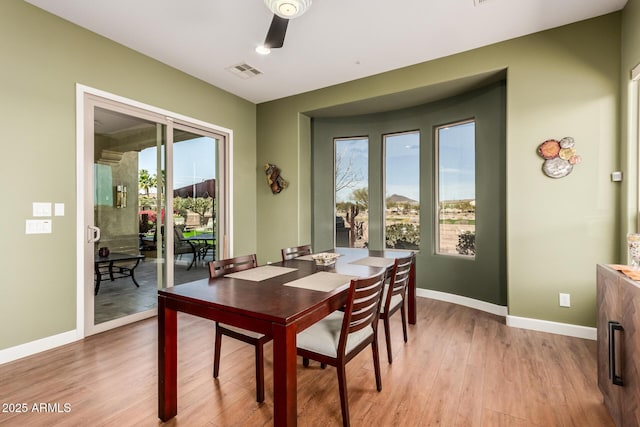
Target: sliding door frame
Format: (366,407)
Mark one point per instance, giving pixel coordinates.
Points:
(86,99)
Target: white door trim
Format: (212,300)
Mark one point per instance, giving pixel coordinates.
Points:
(81,92)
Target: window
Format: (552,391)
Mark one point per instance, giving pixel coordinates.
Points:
(402,190)
(455,189)
(351,192)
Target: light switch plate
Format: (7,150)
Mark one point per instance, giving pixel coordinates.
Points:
(565,300)
(59,209)
(38,226)
(41,209)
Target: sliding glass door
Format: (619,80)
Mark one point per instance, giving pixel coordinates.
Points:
(154,208)
(195,202)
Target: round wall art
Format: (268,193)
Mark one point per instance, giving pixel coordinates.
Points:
(559,157)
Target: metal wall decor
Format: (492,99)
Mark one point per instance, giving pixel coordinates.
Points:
(275,181)
(559,157)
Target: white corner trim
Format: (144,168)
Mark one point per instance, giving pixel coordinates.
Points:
(635,73)
(498,310)
(23,350)
(553,327)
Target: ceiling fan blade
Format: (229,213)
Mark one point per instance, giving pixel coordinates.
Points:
(277,30)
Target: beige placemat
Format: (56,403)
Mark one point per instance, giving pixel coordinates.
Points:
(375,261)
(261,273)
(324,281)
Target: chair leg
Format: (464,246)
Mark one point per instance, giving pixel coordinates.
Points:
(305,362)
(193,261)
(376,364)
(259,373)
(387,335)
(216,353)
(342,385)
(404,322)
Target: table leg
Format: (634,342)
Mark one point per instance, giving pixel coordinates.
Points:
(285,386)
(96,268)
(167,361)
(131,271)
(412,295)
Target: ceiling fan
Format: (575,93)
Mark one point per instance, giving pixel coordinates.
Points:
(283,11)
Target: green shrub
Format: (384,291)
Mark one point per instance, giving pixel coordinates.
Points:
(466,243)
(402,236)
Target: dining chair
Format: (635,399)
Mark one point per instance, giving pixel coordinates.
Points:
(219,268)
(295,252)
(182,246)
(340,336)
(393,297)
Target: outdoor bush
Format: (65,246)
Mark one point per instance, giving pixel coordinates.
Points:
(402,236)
(466,243)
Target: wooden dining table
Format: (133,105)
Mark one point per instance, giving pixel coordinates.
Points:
(274,305)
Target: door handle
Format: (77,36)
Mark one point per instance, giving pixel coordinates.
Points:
(93,234)
(613,376)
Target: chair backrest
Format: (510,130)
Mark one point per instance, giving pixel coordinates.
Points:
(362,308)
(295,252)
(220,267)
(177,233)
(399,279)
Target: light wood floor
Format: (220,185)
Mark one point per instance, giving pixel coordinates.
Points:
(460,367)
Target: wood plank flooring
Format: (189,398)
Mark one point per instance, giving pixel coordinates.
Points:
(461,367)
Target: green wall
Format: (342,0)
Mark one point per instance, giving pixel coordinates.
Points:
(43,57)
(561,82)
(629,121)
(483,277)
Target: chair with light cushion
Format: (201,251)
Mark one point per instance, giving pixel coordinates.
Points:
(340,336)
(219,268)
(295,252)
(393,297)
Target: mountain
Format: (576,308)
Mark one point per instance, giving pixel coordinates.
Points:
(396,198)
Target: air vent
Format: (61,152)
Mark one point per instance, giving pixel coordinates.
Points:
(244,71)
(477,3)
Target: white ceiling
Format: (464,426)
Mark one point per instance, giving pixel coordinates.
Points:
(334,42)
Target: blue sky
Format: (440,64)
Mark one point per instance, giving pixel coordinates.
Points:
(457,167)
(402,169)
(194,161)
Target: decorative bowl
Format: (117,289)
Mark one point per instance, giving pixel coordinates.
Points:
(324,259)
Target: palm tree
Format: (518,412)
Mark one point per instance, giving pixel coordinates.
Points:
(146,181)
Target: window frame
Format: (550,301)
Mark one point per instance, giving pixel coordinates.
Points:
(384,182)
(336,140)
(436,183)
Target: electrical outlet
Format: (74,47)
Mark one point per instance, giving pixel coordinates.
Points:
(565,300)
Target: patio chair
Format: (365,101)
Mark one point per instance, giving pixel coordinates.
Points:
(183,246)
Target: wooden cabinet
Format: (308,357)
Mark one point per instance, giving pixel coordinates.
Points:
(618,304)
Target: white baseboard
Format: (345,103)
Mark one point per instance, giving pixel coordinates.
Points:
(553,327)
(23,350)
(33,347)
(513,321)
(498,310)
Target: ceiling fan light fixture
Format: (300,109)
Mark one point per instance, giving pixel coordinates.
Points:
(263,50)
(288,9)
